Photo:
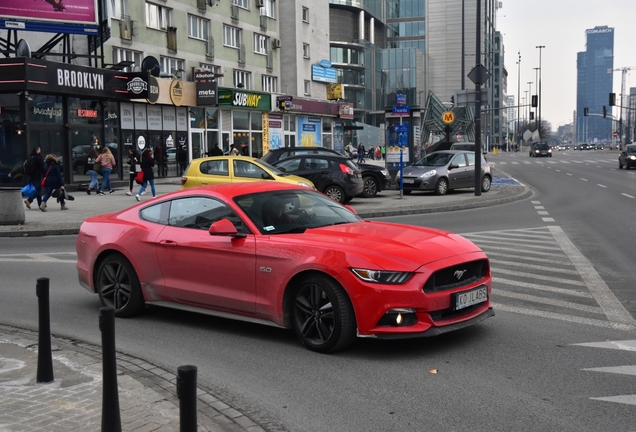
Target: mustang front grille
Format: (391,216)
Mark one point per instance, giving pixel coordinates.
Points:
(456,276)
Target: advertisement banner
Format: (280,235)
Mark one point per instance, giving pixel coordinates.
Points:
(275,131)
(309,131)
(398,141)
(265,122)
(71,12)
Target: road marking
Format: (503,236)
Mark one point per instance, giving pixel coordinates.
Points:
(568,174)
(558,170)
(551,302)
(548,219)
(543,213)
(539,208)
(628,196)
(606,299)
(626,345)
(542,287)
(535,202)
(539,277)
(603,186)
(531,266)
(65,257)
(583,179)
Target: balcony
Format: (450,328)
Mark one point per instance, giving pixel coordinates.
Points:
(234,12)
(172,39)
(263,22)
(241,55)
(202,5)
(269,62)
(125,28)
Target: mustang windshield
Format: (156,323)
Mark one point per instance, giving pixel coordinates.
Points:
(278,212)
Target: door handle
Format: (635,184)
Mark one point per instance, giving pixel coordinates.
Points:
(168,242)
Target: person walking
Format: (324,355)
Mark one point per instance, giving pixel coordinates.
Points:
(108,163)
(54,181)
(36,173)
(383,151)
(147,166)
(89,168)
(216,151)
(371,152)
(360,153)
(378,152)
(135,167)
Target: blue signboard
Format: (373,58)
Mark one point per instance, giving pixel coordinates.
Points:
(403,110)
(400,99)
(323,74)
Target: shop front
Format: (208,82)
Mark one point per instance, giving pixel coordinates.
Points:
(313,123)
(64,109)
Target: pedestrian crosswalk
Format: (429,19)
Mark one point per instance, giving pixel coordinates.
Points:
(551,161)
(624,345)
(540,272)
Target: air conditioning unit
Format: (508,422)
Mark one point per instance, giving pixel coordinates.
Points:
(275,43)
(260,3)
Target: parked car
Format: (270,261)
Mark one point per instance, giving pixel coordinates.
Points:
(235,169)
(627,158)
(334,175)
(540,150)
(375,178)
(443,171)
(286,256)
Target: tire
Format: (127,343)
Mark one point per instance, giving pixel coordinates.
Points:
(322,315)
(486,183)
(370,187)
(336,193)
(118,286)
(441,188)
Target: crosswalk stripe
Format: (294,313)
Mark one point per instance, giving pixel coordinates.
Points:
(623,345)
(560,260)
(623,370)
(539,277)
(514,240)
(542,253)
(627,399)
(547,301)
(538,287)
(532,266)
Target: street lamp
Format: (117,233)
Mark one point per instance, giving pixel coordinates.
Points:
(518,98)
(536,118)
(540,48)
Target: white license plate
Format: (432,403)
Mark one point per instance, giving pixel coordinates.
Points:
(411,181)
(469,298)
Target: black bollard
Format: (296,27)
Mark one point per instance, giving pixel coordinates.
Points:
(187,394)
(45,358)
(111,419)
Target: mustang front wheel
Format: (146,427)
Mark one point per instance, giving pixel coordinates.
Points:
(323,317)
(118,286)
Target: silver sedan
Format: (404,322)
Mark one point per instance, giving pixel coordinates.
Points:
(443,171)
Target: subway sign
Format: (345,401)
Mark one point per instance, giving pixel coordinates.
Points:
(245,99)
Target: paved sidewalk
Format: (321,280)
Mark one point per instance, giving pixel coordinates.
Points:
(147,393)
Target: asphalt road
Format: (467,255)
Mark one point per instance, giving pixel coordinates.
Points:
(522,370)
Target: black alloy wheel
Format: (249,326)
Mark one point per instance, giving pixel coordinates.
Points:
(118,286)
(336,193)
(370,187)
(323,317)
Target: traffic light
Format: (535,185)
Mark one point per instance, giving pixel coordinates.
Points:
(586,111)
(535,101)
(452,99)
(612,99)
(604,111)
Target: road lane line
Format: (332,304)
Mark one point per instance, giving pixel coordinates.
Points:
(628,196)
(603,186)
(583,179)
(614,310)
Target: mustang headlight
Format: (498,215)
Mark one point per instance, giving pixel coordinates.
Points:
(429,173)
(382,277)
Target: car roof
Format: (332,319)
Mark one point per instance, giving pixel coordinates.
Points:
(322,155)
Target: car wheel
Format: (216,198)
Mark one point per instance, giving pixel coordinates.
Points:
(118,286)
(441,188)
(323,317)
(336,193)
(370,188)
(486,182)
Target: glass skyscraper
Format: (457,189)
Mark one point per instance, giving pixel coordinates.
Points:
(594,84)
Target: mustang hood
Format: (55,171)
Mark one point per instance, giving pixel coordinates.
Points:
(395,246)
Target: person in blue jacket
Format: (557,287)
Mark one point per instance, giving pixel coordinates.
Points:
(54,181)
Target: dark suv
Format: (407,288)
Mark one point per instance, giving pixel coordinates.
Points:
(334,175)
(540,149)
(375,178)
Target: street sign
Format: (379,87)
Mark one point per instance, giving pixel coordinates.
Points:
(402,110)
(479,75)
(400,99)
(448,117)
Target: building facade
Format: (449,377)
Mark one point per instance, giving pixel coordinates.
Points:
(594,84)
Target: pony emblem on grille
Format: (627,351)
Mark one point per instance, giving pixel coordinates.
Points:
(459,273)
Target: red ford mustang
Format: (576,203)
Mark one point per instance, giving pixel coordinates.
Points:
(285,256)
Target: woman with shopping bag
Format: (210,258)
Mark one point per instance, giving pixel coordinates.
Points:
(53,181)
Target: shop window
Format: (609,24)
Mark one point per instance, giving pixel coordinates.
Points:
(240,120)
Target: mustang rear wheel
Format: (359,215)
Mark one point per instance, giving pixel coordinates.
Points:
(323,317)
(118,286)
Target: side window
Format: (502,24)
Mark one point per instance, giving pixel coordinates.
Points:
(459,160)
(200,213)
(291,165)
(315,163)
(471,158)
(157,213)
(214,167)
(247,169)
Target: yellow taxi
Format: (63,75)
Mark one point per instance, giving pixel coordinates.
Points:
(235,169)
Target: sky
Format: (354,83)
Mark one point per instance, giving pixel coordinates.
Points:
(560,26)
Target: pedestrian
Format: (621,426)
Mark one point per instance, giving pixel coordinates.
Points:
(378,152)
(107,160)
(216,151)
(89,168)
(235,152)
(135,167)
(35,166)
(371,152)
(159,156)
(54,181)
(244,150)
(383,151)
(147,166)
(182,158)
(360,153)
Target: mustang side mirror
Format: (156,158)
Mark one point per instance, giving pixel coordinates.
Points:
(224,227)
